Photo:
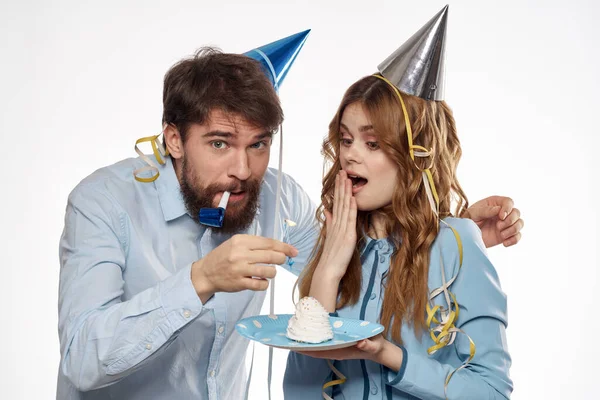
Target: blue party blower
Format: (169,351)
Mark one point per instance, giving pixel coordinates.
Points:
(214,216)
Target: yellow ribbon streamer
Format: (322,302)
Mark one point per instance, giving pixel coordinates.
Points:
(341,379)
(159,153)
(443,333)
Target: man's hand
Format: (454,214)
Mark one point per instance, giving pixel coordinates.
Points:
(239,264)
(498,220)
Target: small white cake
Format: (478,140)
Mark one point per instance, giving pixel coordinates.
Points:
(310,323)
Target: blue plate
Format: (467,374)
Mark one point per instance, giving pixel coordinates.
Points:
(270,330)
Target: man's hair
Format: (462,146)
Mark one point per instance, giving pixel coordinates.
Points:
(211,79)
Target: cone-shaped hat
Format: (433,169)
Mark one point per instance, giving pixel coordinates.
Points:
(417,67)
(277,57)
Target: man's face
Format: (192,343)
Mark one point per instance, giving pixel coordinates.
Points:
(225,154)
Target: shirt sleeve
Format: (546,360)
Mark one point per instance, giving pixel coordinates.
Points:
(304,235)
(483,316)
(102,337)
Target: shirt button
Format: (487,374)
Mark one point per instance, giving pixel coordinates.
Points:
(221,329)
(373,296)
(379,245)
(374,389)
(212,373)
(381,259)
(187,313)
(148,346)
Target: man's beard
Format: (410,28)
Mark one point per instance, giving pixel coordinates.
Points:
(237,217)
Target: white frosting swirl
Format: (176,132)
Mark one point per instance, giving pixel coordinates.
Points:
(310,324)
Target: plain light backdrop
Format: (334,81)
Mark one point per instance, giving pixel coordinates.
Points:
(82,80)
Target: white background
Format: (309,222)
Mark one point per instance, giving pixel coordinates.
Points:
(81,80)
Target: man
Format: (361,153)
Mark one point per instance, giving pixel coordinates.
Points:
(148,297)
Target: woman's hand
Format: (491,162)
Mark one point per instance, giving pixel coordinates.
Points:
(341,230)
(377,349)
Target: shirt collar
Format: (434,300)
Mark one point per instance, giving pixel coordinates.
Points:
(169,192)
(384,245)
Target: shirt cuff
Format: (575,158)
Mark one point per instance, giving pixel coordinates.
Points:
(395,377)
(179,299)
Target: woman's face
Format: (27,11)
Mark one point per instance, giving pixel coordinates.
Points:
(372,171)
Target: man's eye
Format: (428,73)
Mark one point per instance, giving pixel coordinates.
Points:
(259,145)
(217,144)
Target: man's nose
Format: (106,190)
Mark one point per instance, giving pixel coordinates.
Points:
(239,167)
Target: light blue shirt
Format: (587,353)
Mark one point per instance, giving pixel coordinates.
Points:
(482,316)
(131,325)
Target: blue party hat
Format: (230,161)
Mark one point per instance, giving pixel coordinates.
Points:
(277,57)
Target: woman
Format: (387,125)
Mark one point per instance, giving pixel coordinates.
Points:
(392,252)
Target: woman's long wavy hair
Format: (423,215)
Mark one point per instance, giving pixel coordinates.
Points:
(410,221)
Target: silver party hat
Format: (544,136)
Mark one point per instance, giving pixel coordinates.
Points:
(417,67)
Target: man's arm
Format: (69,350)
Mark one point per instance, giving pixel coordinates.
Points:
(103,338)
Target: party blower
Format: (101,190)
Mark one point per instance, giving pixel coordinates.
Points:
(214,216)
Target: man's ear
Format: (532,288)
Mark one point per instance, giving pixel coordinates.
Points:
(173,141)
